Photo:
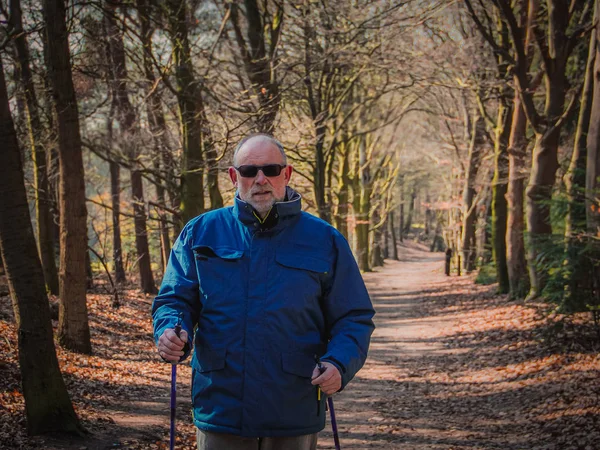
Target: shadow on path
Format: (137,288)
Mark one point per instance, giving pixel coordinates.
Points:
(430,384)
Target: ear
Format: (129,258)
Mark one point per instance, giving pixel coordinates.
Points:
(233,176)
(288,173)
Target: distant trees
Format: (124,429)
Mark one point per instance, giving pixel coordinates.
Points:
(130,139)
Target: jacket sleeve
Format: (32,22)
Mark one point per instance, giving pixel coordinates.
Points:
(179,291)
(348,313)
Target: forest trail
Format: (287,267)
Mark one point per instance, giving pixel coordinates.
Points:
(452,366)
(401,341)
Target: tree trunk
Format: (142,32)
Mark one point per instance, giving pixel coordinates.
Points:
(36,133)
(401,226)
(484,255)
(554,48)
(212,174)
(52,163)
(437,243)
(190,112)
(362,243)
(428,216)
(517,148)
(129,136)
(319,174)
(115,197)
(341,217)
(115,191)
(578,286)
(89,273)
(539,194)
(499,190)
(47,404)
(393,236)
(141,234)
(469,244)
(575,177)
(592,177)
(21,113)
(386,239)
(361,204)
(515,242)
(73,327)
(259,54)
(411,209)
(545,155)
(165,241)
(315,102)
(158,128)
(376,250)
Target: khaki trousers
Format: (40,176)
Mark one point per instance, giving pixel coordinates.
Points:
(221,441)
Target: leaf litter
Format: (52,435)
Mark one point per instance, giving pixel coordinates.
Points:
(478,372)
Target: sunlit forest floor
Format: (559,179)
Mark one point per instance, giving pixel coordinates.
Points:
(452,366)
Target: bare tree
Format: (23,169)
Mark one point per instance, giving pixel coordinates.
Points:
(259,53)
(592,178)
(565,24)
(163,162)
(129,128)
(515,241)
(476,149)
(73,327)
(577,289)
(197,141)
(47,403)
(517,175)
(36,133)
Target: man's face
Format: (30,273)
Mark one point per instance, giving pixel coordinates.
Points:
(260,191)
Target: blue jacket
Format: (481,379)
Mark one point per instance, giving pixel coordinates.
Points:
(266,300)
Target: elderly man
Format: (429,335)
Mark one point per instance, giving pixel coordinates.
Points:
(266,292)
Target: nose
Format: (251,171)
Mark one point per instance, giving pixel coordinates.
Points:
(260,178)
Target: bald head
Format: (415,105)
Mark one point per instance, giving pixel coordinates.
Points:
(257,141)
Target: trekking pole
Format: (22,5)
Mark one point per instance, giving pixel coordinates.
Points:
(174,388)
(336,438)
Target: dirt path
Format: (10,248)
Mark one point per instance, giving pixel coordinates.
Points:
(402,338)
(453,366)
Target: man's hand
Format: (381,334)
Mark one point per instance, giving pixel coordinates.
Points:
(330,381)
(170,347)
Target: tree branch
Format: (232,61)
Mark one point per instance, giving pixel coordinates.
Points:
(487,35)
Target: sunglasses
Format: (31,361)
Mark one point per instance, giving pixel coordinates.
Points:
(270,170)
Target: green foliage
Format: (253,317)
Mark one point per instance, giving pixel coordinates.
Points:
(559,208)
(486,274)
(573,272)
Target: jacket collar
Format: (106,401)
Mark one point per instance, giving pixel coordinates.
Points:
(279,216)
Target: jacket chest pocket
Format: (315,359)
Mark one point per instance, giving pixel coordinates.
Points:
(303,271)
(219,273)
